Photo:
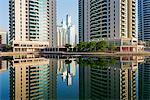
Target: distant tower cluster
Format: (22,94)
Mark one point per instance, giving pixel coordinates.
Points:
(66,33)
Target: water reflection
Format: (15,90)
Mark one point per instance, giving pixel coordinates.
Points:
(35,77)
(144,80)
(32,77)
(61,77)
(109,78)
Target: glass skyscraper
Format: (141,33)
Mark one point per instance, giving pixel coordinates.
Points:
(144,20)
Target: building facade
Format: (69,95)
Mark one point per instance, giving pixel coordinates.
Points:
(109,20)
(3,39)
(84,20)
(143,20)
(32,24)
(61,36)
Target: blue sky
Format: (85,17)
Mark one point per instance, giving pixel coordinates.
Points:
(4,14)
(67,7)
(63,7)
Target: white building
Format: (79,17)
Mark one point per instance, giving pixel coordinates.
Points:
(107,19)
(68,21)
(71,35)
(66,33)
(3,39)
(32,24)
(61,33)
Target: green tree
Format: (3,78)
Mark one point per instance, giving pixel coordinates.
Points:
(91,46)
(101,46)
(113,47)
(147,43)
(7,48)
(82,46)
(68,46)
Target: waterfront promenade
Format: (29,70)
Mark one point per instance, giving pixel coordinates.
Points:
(145,53)
(16,53)
(99,53)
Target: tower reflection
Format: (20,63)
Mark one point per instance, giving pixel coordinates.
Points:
(108,78)
(144,80)
(35,77)
(32,77)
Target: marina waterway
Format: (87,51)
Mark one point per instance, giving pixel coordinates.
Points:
(48,77)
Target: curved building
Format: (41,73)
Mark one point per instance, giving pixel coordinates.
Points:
(109,19)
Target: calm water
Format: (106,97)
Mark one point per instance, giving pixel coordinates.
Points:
(73,78)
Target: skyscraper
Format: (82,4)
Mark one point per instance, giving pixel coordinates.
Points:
(110,20)
(68,20)
(106,19)
(84,20)
(61,34)
(32,24)
(143,20)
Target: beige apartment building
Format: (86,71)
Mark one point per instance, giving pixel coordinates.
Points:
(111,20)
(32,24)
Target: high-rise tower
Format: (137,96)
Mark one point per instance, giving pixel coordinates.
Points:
(32,24)
(106,19)
(110,20)
(84,20)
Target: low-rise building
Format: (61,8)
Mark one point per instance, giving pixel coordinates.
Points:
(3,39)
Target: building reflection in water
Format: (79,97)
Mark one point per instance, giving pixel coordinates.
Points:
(3,65)
(67,70)
(33,77)
(144,80)
(4,79)
(108,78)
